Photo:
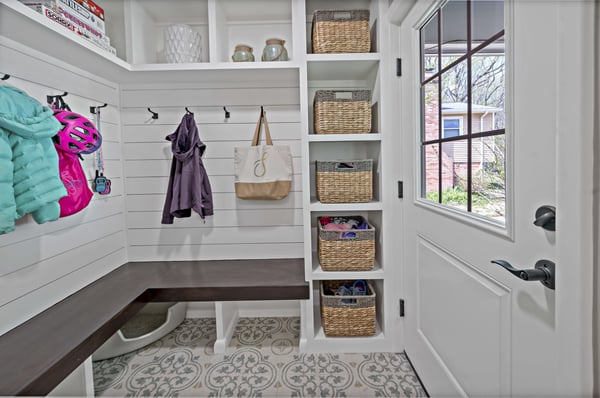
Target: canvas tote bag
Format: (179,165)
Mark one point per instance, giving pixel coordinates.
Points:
(263,171)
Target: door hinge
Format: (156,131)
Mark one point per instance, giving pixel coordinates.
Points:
(398,66)
(400,189)
(401,308)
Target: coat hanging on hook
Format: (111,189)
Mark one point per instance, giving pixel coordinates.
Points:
(189,188)
(28,160)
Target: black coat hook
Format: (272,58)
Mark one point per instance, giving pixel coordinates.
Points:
(94,109)
(262,111)
(188,111)
(57,101)
(227,114)
(52,98)
(154,114)
(5,77)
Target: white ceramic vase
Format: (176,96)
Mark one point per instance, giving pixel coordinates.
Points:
(182,44)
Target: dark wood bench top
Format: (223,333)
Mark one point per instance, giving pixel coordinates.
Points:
(37,355)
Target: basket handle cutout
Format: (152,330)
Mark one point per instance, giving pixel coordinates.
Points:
(343,95)
(342,15)
(344,165)
(348,235)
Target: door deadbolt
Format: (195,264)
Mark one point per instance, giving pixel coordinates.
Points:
(545,217)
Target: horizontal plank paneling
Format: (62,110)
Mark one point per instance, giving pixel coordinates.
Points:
(27,253)
(42,264)
(214,150)
(212,236)
(47,271)
(209,97)
(100,207)
(223,218)
(222,201)
(91,268)
(112,168)
(158,185)
(216,252)
(252,224)
(210,133)
(161,168)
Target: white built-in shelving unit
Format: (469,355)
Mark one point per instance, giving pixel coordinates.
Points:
(136,30)
(345,72)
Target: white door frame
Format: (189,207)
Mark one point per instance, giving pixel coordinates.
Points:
(577,307)
(577,134)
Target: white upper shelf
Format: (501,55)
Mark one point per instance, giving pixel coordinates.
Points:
(27,27)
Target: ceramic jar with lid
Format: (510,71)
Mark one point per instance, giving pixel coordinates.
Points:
(242,53)
(275,51)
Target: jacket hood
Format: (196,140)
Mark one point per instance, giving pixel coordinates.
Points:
(22,115)
(185,139)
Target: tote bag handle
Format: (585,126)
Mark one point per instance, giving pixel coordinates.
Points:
(262,119)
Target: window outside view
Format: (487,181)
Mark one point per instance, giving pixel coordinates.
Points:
(463,108)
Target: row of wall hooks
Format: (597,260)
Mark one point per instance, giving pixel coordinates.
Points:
(155,114)
(51,99)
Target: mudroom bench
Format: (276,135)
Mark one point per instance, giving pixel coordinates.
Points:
(37,355)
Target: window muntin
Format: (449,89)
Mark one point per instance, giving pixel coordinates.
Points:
(462,46)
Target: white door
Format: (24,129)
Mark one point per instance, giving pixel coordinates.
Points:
(471,327)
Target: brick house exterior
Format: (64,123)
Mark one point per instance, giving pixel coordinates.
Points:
(454,154)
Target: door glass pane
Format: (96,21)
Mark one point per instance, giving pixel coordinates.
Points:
(489,177)
(454,174)
(429,48)
(455,92)
(487,19)
(488,72)
(471,88)
(430,159)
(454,28)
(431,119)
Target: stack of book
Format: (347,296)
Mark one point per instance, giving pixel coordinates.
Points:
(82,17)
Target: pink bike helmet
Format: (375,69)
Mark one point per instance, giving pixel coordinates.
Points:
(77,135)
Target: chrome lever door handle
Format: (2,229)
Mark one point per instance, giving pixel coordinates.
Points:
(544,271)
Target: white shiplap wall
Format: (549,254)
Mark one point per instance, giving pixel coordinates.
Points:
(42,264)
(239,228)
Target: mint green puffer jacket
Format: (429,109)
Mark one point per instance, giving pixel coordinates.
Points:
(29,176)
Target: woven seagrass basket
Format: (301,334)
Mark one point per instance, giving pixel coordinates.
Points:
(340,181)
(341,31)
(342,111)
(347,316)
(346,250)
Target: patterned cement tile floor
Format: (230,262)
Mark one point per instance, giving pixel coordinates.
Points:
(261,361)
